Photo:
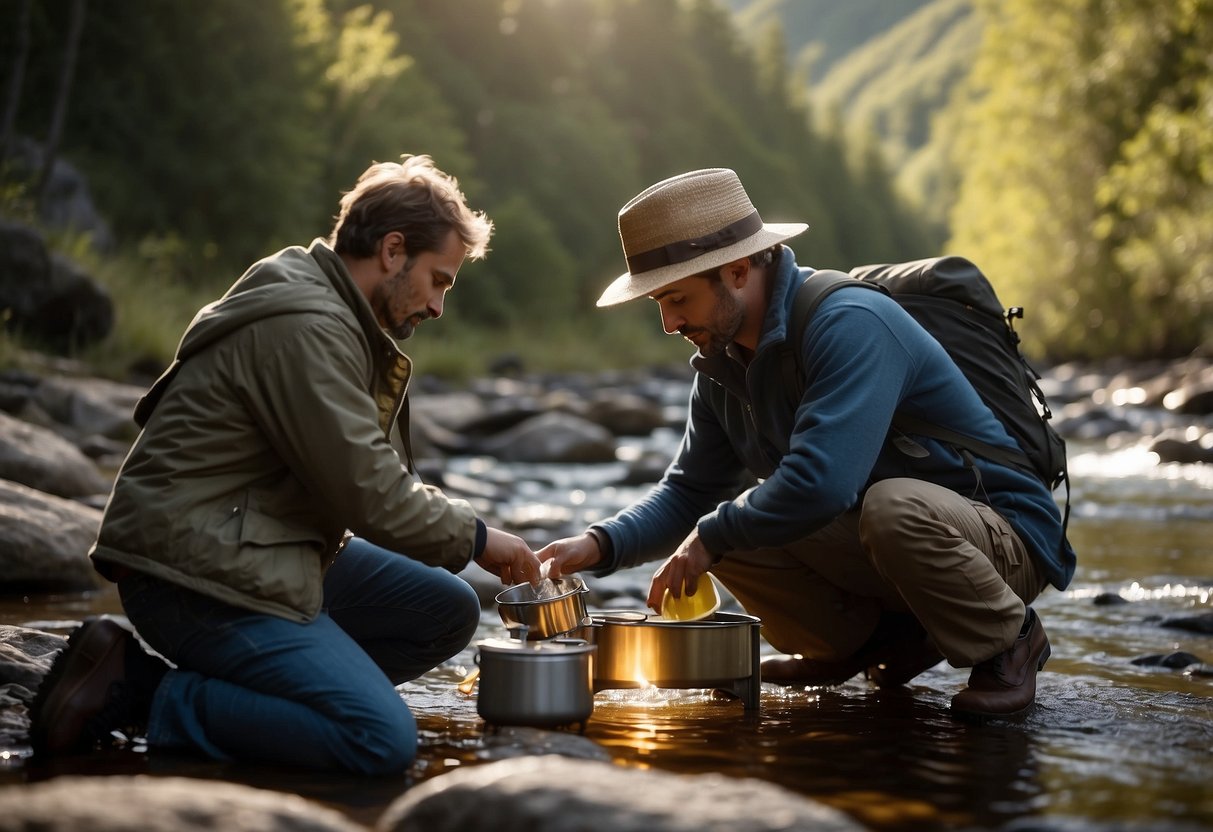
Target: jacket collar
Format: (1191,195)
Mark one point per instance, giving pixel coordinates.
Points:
(728,370)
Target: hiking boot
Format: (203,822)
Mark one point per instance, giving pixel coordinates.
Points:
(797,670)
(1006,684)
(101,682)
(904,658)
(897,651)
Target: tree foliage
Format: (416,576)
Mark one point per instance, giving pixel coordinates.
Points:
(1087,179)
(229,131)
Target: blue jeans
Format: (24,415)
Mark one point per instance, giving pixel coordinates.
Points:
(252,686)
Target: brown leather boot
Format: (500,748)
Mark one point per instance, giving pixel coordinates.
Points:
(1006,684)
(904,658)
(898,650)
(91,691)
(797,670)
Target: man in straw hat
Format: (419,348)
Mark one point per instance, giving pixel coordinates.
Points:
(861,549)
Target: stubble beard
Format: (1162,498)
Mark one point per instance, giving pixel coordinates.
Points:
(404,329)
(726,321)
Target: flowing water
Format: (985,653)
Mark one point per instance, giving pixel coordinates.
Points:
(1110,745)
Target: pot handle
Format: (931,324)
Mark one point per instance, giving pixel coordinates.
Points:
(625,617)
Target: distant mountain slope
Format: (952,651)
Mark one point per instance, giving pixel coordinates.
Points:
(897,80)
(883,67)
(820,32)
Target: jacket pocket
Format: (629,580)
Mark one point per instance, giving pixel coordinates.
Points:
(264,530)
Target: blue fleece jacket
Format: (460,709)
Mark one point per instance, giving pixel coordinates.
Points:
(815,455)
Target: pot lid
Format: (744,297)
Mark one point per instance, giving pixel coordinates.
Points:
(553,647)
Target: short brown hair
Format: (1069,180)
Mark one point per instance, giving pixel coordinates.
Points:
(414,198)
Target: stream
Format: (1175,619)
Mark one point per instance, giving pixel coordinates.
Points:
(1110,745)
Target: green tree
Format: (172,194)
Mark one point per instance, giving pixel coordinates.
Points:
(187,125)
(369,101)
(1086,179)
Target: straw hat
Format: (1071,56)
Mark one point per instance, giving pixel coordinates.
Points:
(685,225)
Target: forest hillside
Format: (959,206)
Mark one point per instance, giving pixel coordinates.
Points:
(1063,146)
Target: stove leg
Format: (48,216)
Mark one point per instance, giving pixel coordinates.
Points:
(753,685)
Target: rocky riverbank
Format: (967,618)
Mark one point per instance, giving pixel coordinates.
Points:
(63,434)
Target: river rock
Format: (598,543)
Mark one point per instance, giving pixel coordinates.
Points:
(624,413)
(1197,623)
(25,658)
(1194,395)
(160,804)
(40,459)
(48,296)
(1177,660)
(1182,446)
(44,541)
(508,742)
(1084,420)
(552,437)
(66,202)
(91,405)
(557,794)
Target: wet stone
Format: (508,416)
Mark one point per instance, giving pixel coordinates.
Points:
(1201,623)
(1176,660)
(159,804)
(550,793)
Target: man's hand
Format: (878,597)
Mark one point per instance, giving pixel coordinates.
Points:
(681,571)
(509,558)
(571,554)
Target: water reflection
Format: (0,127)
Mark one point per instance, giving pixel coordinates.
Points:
(894,760)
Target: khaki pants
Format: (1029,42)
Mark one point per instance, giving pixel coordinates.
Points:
(913,546)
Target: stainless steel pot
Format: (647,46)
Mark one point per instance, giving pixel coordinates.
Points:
(543,684)
(636,650)
(543,618)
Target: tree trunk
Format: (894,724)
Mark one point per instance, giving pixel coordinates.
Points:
(66,76)
(12,102)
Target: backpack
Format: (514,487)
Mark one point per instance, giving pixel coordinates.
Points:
(953,301)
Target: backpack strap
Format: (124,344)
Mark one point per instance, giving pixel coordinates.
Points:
(812,291)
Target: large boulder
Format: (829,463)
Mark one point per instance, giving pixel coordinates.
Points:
(552,437)
(87,406)
(47,296)
(44,541)
(25,658)
(66,202)
(43,460)
(557,794)
(160,804)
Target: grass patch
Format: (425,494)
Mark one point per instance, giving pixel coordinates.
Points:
(152,310)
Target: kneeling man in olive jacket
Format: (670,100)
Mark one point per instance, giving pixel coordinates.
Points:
(266,534)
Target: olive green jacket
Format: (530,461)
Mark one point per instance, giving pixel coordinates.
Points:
(268,437)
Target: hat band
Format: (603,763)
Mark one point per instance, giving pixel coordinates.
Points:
(685,250)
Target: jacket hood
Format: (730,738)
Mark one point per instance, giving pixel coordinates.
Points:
(285,283)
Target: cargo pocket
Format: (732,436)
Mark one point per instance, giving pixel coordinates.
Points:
(1009,556)
(1002,552)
